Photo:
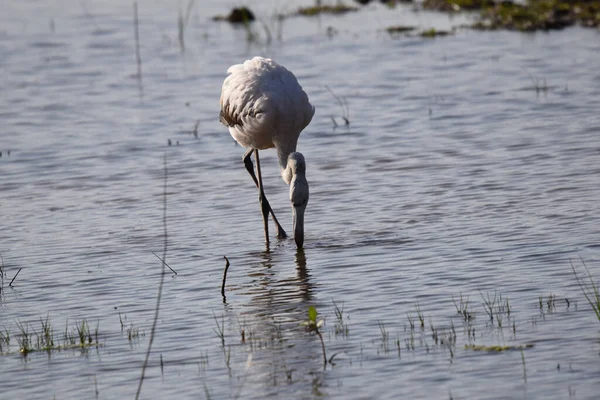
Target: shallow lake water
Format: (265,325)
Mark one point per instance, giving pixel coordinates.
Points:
(471,166)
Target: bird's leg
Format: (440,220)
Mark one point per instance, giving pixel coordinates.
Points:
(264,204)
(250,167)
(247,159)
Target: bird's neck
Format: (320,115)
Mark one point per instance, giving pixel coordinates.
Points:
(286,171)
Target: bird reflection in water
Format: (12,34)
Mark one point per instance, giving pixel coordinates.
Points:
(303,277)
(273,294)
(271,318)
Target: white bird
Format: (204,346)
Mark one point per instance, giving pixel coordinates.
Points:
(263,106)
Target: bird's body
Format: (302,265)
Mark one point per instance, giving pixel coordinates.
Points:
(263,106)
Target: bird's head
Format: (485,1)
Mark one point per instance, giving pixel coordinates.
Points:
(298,194)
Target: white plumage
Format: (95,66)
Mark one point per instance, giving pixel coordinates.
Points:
(263,106)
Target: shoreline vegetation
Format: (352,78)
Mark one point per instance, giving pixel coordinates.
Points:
(527,16)
(523,16)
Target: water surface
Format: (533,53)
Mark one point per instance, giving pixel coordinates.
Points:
(470,166)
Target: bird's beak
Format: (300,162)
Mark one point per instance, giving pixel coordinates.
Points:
(298,218)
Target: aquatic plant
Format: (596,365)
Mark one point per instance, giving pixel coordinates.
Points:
(397,29)
(590,290)
(456,5)
(14,277)
(133,332)
(343,102)
(462,307)
(339,8)
(47,332)
(237,15)
(524,368)
(411,322)
(29,340)
(4,339)
(533,15)
(242,329)
(420,315)
(224,277)
(136,31)
(384,334)
(488,305)
(341,328)
(245,18)
(182,24)
(431,33)
(497,348)
(220,331)
(162,277)
(83,332)
(313,326)
(24,339)
(539,84)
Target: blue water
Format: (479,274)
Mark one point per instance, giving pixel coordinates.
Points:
(470,166)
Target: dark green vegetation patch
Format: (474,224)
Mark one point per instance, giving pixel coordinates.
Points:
(237,16)
(339,8)
(531,16)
